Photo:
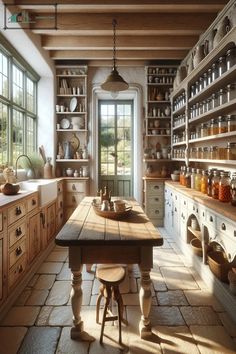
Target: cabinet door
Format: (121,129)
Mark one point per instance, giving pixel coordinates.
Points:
(33,237)
(51,221)
(3,253)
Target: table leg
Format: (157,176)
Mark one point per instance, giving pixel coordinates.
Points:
(145,299)
(77,331)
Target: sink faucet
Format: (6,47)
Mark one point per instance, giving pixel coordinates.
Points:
(30,162)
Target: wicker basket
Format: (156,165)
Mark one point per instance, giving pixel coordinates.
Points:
(196,246)
(219,265)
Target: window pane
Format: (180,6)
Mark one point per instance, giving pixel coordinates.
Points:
(30,135)
(3,133)
(17,86)
(17,134)
(4,75)
(30,95)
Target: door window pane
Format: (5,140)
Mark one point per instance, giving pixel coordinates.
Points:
(17,87)
(4,83)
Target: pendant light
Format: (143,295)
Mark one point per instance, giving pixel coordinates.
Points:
(114,82)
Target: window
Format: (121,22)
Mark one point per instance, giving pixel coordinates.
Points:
(18,105)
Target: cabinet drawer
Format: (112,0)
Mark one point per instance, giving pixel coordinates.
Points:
(16,212)
(15,233)
(60,219)
(1,221)
(17,252)
(155,200)
(73,199)
(79,186)
(32,202)
(60,201)
(17,270)
(155,212)
(227,227)
(210,218)
(154,188)
(59,187)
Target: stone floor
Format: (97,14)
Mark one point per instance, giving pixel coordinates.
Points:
(186,317)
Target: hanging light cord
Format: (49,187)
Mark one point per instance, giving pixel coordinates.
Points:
(114,23)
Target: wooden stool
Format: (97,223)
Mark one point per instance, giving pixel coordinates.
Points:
(110,275)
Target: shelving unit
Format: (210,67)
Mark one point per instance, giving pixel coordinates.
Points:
(72,116)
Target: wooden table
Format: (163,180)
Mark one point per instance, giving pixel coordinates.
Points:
(93,239)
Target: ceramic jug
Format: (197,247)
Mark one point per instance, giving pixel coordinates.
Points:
(223,28)
(68,149)
(208,44)
(232,16)
(198,55)
(47,170)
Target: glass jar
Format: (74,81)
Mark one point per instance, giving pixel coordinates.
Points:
(203,130)
(224,187)
(209,181)
(205,153)
(230,92)
(230,58)
(204,182)
(208,104)
(209,76)
(233,189)
(222,125)
(231,151)
(182,175)
(188,178)
(221,65)
(213,127)
(214,72)
(193,175)
(215,100)
(222,96)
(215,185)
(231,120)
(205,80)
(198,178)
(213,152)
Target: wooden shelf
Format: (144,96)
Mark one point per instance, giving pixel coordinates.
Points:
(196,233)
(179,110)
(156,160)
(213,137)
(222,162)
(72,130)
(181,126)
(72,160)
(179,143)
(70,95)
(75,112)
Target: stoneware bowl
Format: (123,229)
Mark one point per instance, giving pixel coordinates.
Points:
(174,177)
(10,189)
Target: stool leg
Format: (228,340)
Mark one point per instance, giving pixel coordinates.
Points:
(118,299)
(107,294)
(101,294)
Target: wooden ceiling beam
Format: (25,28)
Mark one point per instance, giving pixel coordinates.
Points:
(123,42)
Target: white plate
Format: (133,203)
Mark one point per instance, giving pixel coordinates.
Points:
(73,104)
(65,123)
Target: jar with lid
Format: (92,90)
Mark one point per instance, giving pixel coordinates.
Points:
(215,184)
(215,100)
(209,182)
(222,125)
(230,58)
(204,182)
(221,65)
(222,96)
(233,189)
(213,152)
(231,151)
(213,127)
(188,178)
(230,92)
(201,83)
(192,90)
(224,187)
(203,130)
(208,104)
(205,153)
(198,178)
(214,72)
(231,120)
(209,76)
(197,87)
(193,175)
(182,175)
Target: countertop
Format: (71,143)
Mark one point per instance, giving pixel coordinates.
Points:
(5,200)
(224,209)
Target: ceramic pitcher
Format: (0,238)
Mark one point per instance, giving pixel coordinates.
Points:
(68,149)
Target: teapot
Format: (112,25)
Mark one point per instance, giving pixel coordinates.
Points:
(68,149)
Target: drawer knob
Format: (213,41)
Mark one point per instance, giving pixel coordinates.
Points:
(156,187)
(73,187)
(156,199)
(18,251)
(18,211)
(20,268)
(211,218)
(234,233)
(156,211)
(223,227)
(34,202)
(18,232)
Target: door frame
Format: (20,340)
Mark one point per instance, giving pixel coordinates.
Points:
(134,93)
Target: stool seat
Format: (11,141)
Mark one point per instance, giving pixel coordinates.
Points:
(110,275)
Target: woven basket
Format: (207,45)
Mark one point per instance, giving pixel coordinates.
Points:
(219,265)
(196,246)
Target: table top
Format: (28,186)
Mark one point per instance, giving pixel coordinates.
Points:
(85,227)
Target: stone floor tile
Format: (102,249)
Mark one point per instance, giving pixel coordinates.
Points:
(96,286)
(228,323)
(7,334)
(139,346)
(37,297)
(21,316)
(57,256)
(203,298)
(166,244)
(177,250)
(40,340)
(133,286)
(45,281)
(50,268)
(166,257)
(202,285)
(88,275)
(213,339)
(134,270)
(199,316)
(65,273)
(61,316)
(178,278)
(176,339)
(131,299)
(166,316)
(68,346)
(59,294)
(32,281)
(171,298)
(158,280)
(43,317)
(125,285)
(21,300)
(87,288)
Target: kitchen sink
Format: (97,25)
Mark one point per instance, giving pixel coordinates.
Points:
(47,189)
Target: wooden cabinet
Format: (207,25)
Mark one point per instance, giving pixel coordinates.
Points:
(74,191)
(154,200)
(60,206)
(51,221)
(34,237)
(3,257)
(72,118)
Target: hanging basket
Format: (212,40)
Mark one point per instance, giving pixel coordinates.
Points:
(196,246)
(219,265)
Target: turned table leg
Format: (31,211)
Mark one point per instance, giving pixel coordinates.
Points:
(145,299)
(77,331)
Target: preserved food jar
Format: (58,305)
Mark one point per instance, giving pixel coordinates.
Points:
(203,130)
(201,83)
(221,65)
(231,151)
(209,181)
(222,96)
(205,153)
(205,80)
(188,178)
(231,120)
(222,125)
(213,152)
(233,189)
(224,187)
(182,175)
(213,127)
(231,92)
(215,100)
(198,177)
(209,76)
(204,182)
(214,72)
(230,58)
(215,185)
(193,175)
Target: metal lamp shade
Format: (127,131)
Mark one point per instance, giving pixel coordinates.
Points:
(114,82)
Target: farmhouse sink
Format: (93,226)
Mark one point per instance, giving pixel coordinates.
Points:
(47,189)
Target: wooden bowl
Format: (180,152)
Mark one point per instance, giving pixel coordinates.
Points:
(10,189)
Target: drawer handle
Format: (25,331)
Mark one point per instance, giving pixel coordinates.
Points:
(61,204)
(18,211)
(61,215)
(157,199)
(18,232)
(211,218)
(18,251)
(223,227)
(73,199)
(34,202)
(184,202)
(73,187)
(156,211)
(176,197)
(175,209)
(20,268)
(203,214)
(234,233)
(156,187)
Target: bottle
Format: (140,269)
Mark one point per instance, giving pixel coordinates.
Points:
(47,170)
(233,189)
(222,125)
(224,187)
(204,182)
(198,180)
(209,182)
(188,178)
(193,175)
(182,175)
(215,185)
